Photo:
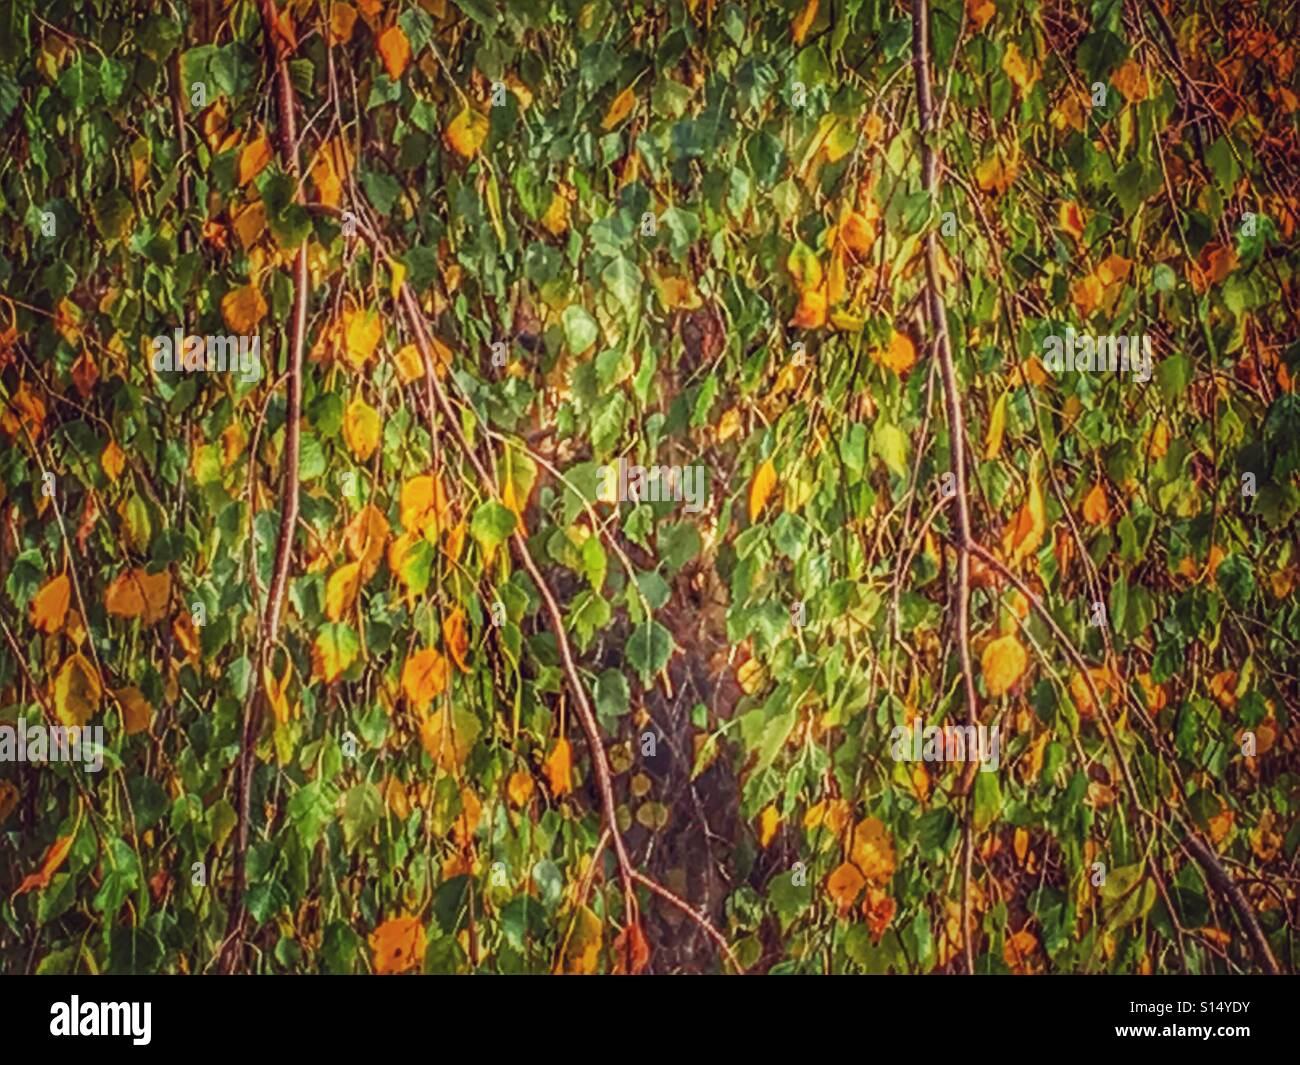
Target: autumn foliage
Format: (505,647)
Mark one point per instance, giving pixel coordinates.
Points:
(395,686)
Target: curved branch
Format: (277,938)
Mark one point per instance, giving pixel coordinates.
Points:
(287,137)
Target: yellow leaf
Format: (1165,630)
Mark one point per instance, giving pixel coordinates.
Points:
(395,50)
(1003,663)
(397,945)
(342,18)
(424,677)
(362,331)
(559,768)
(277,691)
(49,607)
(751,676)
(330,658)
(138,594)
(1020,71)
(760,491)
(768,822)
(622,106)
(556,218)
(803,22)
(410,365)
(582,949)
(997,427)
(137,714)
(872,850)
(467,132)
(254,158)
(365,537)
(361,429)
(805,268)
(424,506)
(1086,294)
(836,282)
(113,460)
(342,589)
(243,309)
(449,736)
(1095,510)
(996,174)
(329,169)
(456,637)
(811,312)
(1020,952)
(76,691)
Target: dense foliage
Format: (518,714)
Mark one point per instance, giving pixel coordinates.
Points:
(490,248)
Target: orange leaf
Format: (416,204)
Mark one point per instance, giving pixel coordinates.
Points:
(253,159)
(395,50)
(49,607)
(979,12)
(138,594)
(397,945)
(520,787)
(137,714)
(803,22)
(54,857)
(453,631)
(1095,510)
(424,677)
(811,312)
(631,951)
(622,106)
(844,886)
(559,768)
(900,356)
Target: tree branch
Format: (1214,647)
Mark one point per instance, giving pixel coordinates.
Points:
(287,136)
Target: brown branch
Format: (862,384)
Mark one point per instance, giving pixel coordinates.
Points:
(952,402)
(232,945)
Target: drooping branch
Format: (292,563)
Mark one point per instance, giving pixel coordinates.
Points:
(938,324)
(287,146)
